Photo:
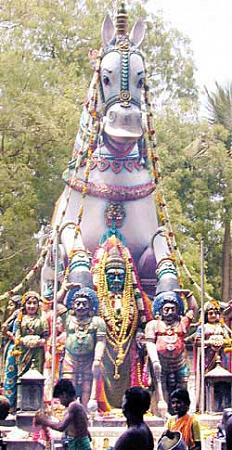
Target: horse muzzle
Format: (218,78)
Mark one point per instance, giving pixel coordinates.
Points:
(123,121)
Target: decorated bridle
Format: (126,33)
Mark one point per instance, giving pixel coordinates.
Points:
(122,45)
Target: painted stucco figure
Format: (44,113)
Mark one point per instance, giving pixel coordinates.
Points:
(29,334)
(217,344)
(112,175)
(110,183)
(125,309)
(165,341)
(85,345)
(217,335)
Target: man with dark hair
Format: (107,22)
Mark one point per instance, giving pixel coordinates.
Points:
(181,421)
(136,401)
(75,421)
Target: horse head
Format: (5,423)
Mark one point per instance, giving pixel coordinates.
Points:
(122,75)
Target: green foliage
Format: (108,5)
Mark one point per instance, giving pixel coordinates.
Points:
(197,184)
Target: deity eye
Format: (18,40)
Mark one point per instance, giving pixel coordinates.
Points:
(106,80)
(140,83)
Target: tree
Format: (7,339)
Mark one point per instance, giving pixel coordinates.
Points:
(220,112)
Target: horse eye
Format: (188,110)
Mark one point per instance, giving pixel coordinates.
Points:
(140,83)
(106,80)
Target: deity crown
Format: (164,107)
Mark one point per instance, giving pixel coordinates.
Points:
(114,259)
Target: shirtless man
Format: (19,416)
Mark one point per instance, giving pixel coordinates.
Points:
(136,402)
(75,422)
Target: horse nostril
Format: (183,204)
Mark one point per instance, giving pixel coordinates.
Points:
(112,116)
(127,119)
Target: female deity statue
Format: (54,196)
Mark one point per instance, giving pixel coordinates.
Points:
(85,345)
(28,338)
(217,340)
(12,310)
(125,309)
(217,335)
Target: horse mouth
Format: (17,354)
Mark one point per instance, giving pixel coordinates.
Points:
(123,132)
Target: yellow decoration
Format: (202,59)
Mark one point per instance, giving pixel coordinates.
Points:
(118,338)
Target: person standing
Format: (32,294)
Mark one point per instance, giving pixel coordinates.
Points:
(75,421)
(136,401)
(181,421)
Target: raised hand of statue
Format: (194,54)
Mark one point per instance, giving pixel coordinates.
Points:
(71,285)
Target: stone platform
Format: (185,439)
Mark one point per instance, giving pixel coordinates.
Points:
(106,430)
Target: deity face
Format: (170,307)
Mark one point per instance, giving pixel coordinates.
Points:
(31,306)
(213,315)
(115,277)
(46,306)
(81,307)
(11,307)
(169,313)
(59,325)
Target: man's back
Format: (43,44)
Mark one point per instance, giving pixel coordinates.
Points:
(78,425)
(136,437)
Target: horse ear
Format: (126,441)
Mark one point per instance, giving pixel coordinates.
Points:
(137,33)
(108,31)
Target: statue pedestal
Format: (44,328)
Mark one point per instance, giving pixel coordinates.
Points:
(24,420)
(114,421)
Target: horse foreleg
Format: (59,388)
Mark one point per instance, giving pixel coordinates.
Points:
(166,271)
(48,269)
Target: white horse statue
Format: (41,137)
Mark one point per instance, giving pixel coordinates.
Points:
(112,176)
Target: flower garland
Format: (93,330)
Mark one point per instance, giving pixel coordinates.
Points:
(135,307)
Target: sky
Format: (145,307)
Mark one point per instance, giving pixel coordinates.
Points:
(208,24)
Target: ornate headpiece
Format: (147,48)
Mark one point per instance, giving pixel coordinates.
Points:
(167,297)
(30,294)
(212,304)
(115,259)
(121,20)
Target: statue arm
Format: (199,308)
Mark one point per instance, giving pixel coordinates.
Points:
(150,337)
(99,349)
(97,361)
(7,326)
(191,301)
(100,345)
(150,332)
(66,286)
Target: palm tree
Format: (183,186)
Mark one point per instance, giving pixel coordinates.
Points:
(220,112)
